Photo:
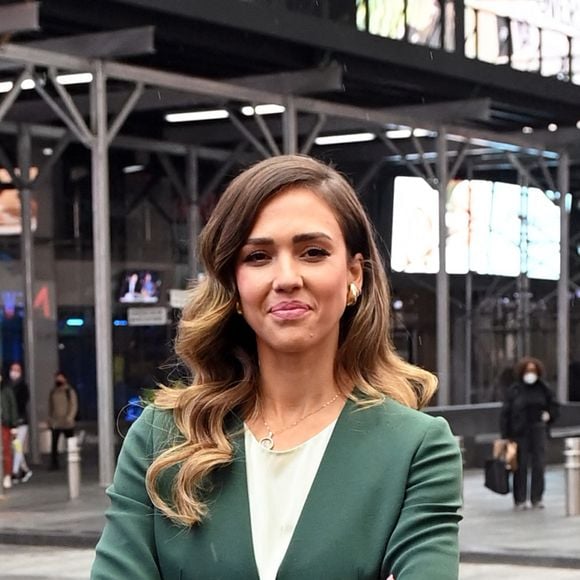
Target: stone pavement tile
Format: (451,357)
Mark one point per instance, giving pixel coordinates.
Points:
(491,528)
(44,563)
(507,572)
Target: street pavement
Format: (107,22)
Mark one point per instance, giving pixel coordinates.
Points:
(492,536)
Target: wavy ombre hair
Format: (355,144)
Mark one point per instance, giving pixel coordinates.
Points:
(220,348)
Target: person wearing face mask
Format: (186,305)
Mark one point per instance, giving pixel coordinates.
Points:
(529,407)
(63,407)
(20,470)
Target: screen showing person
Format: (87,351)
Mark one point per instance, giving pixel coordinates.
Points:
(141,286)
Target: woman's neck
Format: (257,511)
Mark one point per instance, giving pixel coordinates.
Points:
(295,383)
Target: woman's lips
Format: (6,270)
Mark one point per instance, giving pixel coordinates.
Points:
(289,310)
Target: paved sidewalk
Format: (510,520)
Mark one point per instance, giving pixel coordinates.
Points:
(40,513)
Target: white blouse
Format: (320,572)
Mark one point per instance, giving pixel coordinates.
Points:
(278,484)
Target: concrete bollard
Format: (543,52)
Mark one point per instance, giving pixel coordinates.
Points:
(74,467)
(572,471)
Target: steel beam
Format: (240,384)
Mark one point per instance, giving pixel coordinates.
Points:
(443,350)
(123,142)
(290,127)
(563,323)
(27,251)
(199,86)
(124,42)
(125,112)
(267,134)
(84,138)
(102,265)
(19,17)
(116,43)
(314,132)
(237,123)
(194,219)
(11,97)
(472,109)
(382,137)
(327,79)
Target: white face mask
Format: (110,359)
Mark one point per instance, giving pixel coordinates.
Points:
(15,375)
(530,378)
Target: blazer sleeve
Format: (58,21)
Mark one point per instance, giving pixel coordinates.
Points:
(127,548)
(424,543)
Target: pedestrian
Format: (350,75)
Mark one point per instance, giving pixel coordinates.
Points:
(20,470)
(296,450)
(63,407)
(528,409)
(8,420)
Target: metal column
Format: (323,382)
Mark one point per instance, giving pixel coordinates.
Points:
(194,221)
(468,334)
(102,257)
(563,341)
(442,278)
(27,251)
(290,128)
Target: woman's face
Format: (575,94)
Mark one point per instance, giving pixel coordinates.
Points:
(293,273)
(530,368)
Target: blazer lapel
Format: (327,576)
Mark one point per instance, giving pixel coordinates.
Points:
(325,498)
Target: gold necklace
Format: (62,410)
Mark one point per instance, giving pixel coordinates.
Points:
(268,440)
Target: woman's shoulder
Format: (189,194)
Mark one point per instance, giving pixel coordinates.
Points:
(391,415)
(155,424)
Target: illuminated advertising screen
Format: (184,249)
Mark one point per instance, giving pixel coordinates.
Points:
(492,228)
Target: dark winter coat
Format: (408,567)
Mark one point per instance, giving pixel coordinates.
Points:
(22,396)
(523,408)
(8,403)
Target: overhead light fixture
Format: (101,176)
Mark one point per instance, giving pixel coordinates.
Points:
(577,124)
(527,130)
(423,133)
(552,127)
(271,109)
(347,138)
(133,168)
(196,116)
(48,151)
(74,78)
(402,133)
(68,79)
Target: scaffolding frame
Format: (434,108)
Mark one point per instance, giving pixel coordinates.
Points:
(99,136)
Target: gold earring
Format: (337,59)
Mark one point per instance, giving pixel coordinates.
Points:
(239,308)
(352,294)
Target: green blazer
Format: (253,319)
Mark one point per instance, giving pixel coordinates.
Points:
(385,501)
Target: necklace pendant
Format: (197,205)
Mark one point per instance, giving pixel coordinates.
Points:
(267,442)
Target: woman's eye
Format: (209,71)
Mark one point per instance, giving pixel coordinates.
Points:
(256,257)
(316,253)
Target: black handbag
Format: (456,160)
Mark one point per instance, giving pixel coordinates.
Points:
(497,476)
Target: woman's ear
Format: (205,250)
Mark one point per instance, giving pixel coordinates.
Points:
(356,270)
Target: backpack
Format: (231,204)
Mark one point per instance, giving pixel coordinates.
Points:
(68,391)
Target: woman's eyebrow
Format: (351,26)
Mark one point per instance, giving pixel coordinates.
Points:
(298,238)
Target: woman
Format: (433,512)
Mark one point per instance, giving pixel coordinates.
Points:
(528,408)
(20,470)
(296,452)
(62,407)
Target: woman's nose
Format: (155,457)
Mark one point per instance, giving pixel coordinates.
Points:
(288,275)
